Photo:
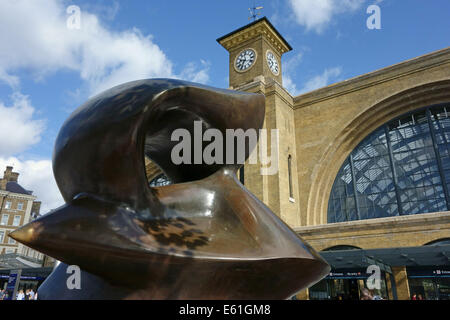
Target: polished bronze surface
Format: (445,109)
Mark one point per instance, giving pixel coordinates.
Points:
(204,237)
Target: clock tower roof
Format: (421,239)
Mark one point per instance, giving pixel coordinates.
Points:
(259,27)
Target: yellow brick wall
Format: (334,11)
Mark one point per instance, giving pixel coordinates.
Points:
(332,121)
(405,231)
(401,283)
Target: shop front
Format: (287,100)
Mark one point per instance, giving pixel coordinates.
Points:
(429,283)
(30,278)
(346,285)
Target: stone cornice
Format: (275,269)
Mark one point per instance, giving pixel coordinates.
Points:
(371,224)
(428,61)
(17,195)
(261,27)
(268,87)
(274,87)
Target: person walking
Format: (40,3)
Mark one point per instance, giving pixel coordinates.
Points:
(365,294)
(20,295)
(31,295)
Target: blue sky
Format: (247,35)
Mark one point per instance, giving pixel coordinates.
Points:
(47,70)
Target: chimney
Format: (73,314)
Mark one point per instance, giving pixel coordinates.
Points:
(7,172)
(9,175)
(14,176)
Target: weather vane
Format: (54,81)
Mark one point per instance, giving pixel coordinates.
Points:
(254,11)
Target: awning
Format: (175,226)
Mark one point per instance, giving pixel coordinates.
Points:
(432,255)
(16,261)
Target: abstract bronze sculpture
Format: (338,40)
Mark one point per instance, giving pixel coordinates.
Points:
(204,237)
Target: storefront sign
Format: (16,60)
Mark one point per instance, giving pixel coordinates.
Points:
(5,276)
(429,273)
(348,275)
(13,283)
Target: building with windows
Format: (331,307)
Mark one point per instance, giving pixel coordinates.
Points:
(18,206)
(364,167)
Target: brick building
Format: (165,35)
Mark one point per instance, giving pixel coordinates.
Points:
(364,166)
(18,206)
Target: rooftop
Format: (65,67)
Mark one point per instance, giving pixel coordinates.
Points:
(260,26)
(14,187)
(10,183)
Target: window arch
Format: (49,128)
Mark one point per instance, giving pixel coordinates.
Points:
(341,247)
(402,168)
(438,242)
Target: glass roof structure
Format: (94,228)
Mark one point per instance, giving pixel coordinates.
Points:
(160,180)
(402,168)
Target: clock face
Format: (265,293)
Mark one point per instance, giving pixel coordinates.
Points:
(273,63)
(245,60)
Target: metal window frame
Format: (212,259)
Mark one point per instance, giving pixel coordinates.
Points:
(432,132)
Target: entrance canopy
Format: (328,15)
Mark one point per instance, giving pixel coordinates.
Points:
(432,255)
(17,261)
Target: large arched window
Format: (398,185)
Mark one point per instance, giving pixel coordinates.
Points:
(402,168)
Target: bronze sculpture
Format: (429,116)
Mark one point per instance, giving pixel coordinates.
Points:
(204,237)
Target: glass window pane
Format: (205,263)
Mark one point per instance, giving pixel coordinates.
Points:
(422,170)
(16,221)
(5,219)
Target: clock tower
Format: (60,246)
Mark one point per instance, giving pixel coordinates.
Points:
(255,51)
(255,66)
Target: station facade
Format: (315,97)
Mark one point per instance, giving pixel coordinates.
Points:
(364,167)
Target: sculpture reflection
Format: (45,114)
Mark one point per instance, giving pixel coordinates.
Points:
(203,237)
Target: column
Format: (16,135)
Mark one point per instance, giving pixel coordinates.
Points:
(401,283)
(303,295)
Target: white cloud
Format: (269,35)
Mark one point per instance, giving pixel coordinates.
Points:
(289,67)
(195,73)
(36,176)
(18,129)
(35,39)
(322,80)
(38,40)
(10,80)
(290,86)
(317,14)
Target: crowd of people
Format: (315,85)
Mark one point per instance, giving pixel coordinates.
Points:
(29,294)
(366,294)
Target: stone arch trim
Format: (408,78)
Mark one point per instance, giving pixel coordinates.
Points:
(359,128)
(436,240)
(340,246)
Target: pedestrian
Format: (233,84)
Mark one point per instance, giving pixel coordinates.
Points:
(31,295)
(365,294)
(20,295)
